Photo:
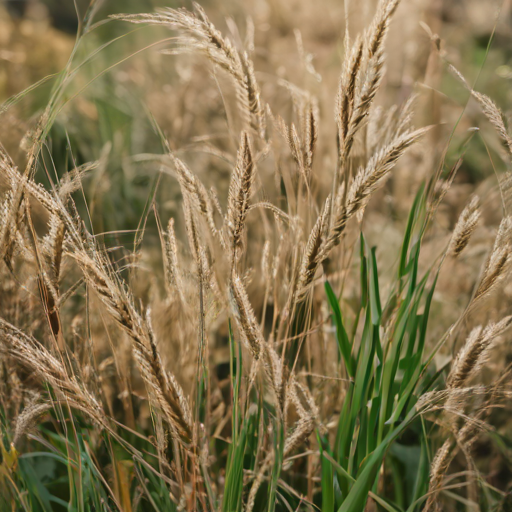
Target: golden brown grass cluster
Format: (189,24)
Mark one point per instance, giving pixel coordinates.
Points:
(123,344)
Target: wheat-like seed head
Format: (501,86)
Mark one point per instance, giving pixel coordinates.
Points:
(246,320)
(310,131)
(162,387)
(252,336)
(53,248)
(32,355)
(347,88)
(308,415)
(28,419)
(171,267)
(240,189)
(309,263)
(465,227)
(495,117)
(168,393)
(364,184)
(194,192)
(498,263)
(474,352)
(361,80)
(438,469)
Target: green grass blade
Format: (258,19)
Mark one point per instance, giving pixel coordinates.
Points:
(358,494)
(278,462)
(344,345)
(374,291)
(327,476)
(411,222)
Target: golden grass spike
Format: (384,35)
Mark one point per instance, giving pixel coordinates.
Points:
(309,263)
(171,267)
(310,130)
(246,320)
(438,469)
(253,97)
(474,352)
(53,248)
(495,117)
(194,192)
(380,25)
(240,189)
(498,263)
(169,394)
(465,227)
(347,88)
(28,419)
(364,184)
(161,386)
(367,69)
(308,416)
(489,108)
(296,149)
(32,355)
(192,233)
(252,336)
